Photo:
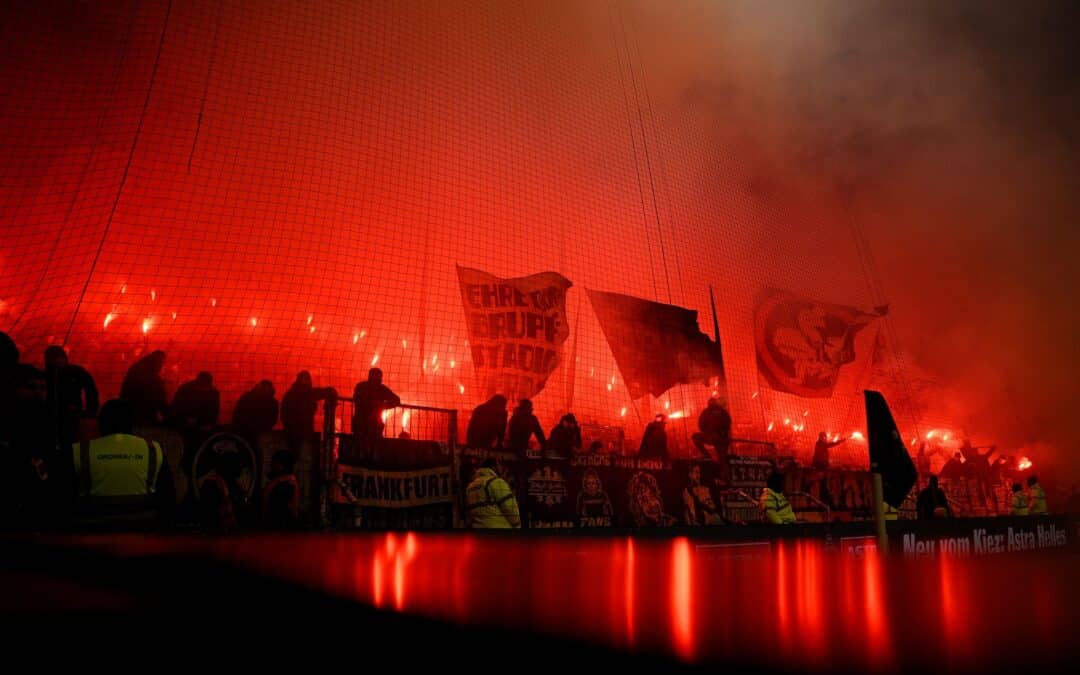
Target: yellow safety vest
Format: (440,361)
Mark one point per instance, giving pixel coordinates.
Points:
(1037,505)
(490,502)
(776,508)
(1019,505)
(117,470)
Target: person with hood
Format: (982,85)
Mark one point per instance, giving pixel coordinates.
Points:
(932,502)
(196,404)
(256,412)
(487,426)
(67,384)
(370,399)
(565,438)
(654,440)
(523,426)
(714,428)
(298,408)
(144,389)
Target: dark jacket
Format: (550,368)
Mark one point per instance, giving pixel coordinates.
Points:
(654,441)
(369,402)
(255,413)
(523,425)
(565,441)
(195,405)
(298,407)
(67,385)
(929,500)
(144,389)
(487,426)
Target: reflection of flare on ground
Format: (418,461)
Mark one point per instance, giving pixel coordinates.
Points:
(781,604)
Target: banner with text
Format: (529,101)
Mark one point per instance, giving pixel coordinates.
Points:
(516,329)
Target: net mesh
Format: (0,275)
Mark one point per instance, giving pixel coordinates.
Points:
(259,188)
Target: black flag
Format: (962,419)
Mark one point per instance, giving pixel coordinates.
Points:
(656,346)
(888,454)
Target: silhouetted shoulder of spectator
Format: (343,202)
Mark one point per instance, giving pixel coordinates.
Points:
(144,388)
(197,403)
(373,393)
(654,440)
(256,411)
(523,426)
(487,426)
(301,401)
(565,437)
(68,383)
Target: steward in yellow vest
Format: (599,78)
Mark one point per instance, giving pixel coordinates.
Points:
(1037,502)
(774,505)
(1019,505)
(489,500)
(119,476)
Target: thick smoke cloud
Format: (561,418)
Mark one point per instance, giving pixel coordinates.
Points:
(949,132)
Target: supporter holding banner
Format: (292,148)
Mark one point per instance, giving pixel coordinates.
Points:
(802,344)
(516,329)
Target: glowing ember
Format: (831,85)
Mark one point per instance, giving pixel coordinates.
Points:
(754,396)
(930,434)
(312,329)
(1024,464)
(174,316)
(404,344)
(461,388)
(213,302)
(153,296)
(805,413)
(858,435)
(771,425)
(123,289)
(254,321)
(374,360)
(945,437)
(667,405)
(147,324)
(108,319)
(356,338)
(452,364)
(609,387)
(677,414)
(310,317)
(622,413)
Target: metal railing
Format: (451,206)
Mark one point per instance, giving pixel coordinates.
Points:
(417,422)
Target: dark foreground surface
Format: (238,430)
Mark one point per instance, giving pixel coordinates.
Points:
(507,603)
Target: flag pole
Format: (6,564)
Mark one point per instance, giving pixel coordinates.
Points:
(715,321)
(572,372)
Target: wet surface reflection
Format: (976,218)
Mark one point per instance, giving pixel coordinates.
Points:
(788,605)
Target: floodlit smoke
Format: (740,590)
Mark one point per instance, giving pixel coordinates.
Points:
(948,131)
